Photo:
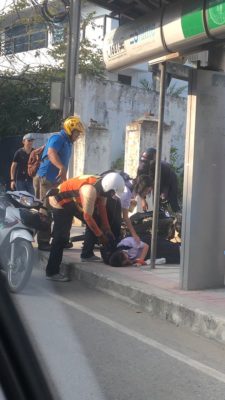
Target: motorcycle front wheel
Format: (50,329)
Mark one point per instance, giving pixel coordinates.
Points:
(20,265)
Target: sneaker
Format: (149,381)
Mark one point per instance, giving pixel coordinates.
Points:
(58,278)
(92,258)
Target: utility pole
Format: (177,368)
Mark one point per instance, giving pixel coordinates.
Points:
(73,42)
(158,164)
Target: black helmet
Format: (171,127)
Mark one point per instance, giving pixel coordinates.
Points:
(149,154)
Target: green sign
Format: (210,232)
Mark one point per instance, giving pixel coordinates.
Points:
(191,18)
(215,13)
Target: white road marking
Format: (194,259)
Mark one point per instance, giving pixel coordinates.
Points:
(213,373)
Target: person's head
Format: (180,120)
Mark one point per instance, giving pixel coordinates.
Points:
(73,126)
(112,183)
(149,154)
(143,185)
(119,259)
(28,141)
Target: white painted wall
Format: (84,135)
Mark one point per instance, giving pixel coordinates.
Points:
(91,152)
(114,106)
(141,135)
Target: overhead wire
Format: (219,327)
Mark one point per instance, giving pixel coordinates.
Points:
(55,18)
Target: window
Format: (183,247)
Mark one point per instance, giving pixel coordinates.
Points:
(125,79)
(25,37)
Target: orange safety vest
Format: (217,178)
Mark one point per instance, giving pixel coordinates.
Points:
(69,190)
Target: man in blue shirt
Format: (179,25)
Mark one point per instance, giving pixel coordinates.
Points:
(54,165)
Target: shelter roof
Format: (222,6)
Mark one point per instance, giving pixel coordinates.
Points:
(132,9)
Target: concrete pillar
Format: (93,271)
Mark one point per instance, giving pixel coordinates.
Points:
(92,152)
(203,225)
(140,135)
(216,58)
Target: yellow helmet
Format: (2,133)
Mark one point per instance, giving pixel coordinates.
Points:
(71,123)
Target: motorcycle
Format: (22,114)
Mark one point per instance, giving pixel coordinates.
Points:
(20,218)
(168,224)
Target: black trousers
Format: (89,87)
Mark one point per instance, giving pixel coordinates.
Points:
(165,249)
(61,230)
(171,192)
(113,208)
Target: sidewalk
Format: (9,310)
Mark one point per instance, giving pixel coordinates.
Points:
(156,291)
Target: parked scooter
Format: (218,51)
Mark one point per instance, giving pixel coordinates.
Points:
(168,224)
(19,220)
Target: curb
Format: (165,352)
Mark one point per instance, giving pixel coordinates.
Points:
(155,301)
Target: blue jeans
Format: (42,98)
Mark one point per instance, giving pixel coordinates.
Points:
(26,185)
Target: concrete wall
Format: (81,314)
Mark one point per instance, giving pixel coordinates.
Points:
(140,135)
(114,105)
(107,108)
(92,151)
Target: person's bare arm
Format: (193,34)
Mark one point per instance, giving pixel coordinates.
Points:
(129,225)
(144,204)
(12,175)
(55,160)
(88,196)
(101,204)
(144,251)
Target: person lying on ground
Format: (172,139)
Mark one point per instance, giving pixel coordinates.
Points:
(128,252)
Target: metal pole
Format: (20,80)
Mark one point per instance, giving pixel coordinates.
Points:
(66,88)
(158,164)
(72,57)
(75,44)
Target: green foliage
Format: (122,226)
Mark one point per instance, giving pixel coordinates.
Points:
(118,164)
(25,105)
(90,56)
(91,60)
(146,85)
(175,91)
(58,52)
(19,5)
(25,98)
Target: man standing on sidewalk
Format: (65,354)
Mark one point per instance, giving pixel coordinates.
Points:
(168,181)
(54,165)
(19,178)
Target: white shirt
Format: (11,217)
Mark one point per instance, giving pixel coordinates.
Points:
(125,198)
(135,248)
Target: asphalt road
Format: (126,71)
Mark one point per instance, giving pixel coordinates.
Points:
(96,347)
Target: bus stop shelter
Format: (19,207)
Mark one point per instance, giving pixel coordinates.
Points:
(157,31)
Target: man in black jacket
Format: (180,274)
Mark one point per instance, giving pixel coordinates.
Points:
(168,181)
